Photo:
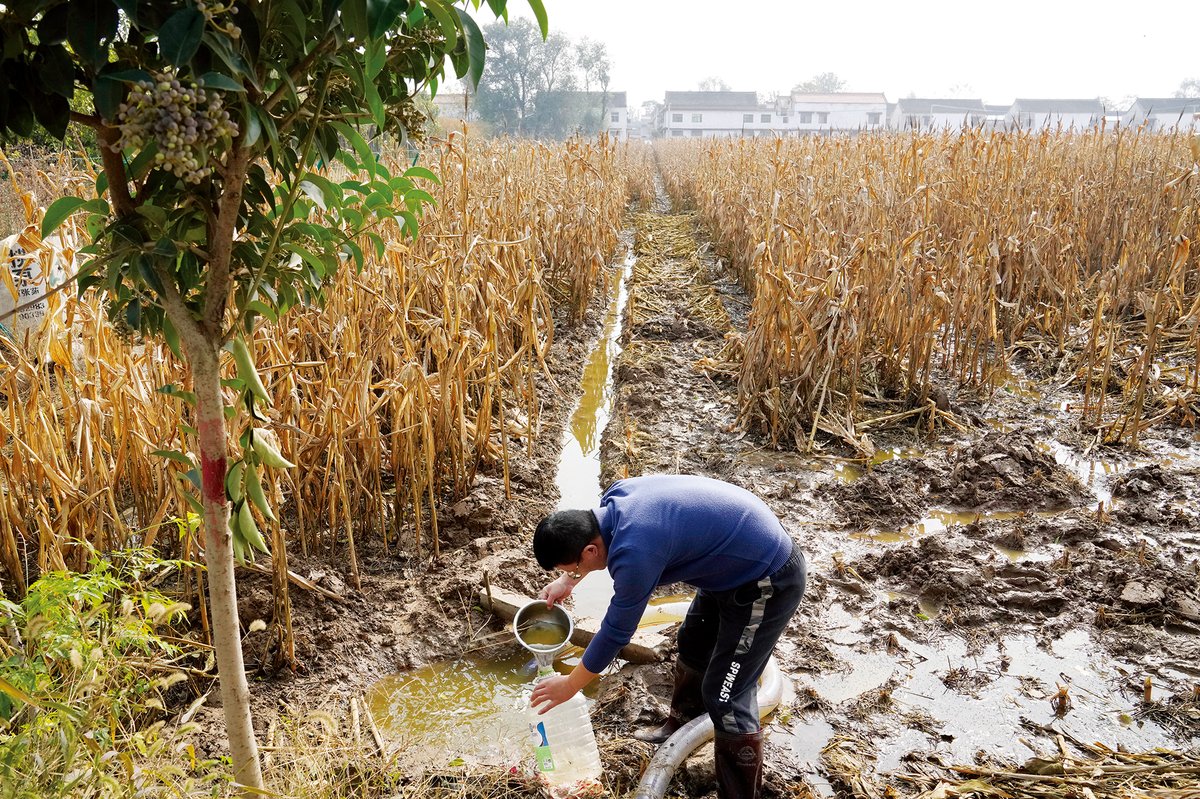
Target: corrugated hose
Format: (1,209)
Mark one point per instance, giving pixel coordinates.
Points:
(698,731)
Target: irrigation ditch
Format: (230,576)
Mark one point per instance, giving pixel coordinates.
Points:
(983,596)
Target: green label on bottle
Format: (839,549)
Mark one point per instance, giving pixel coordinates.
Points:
(541,749)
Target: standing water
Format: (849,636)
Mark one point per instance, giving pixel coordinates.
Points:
(578,477)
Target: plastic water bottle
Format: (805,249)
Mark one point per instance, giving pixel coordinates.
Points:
(563,740)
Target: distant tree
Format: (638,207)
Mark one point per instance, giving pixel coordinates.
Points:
(531,86)
(509,86)
(1189,88)
(713,84)
(961,90)
(822,83)
(595,69)
(652,117)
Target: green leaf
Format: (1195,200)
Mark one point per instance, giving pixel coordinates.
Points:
(172,390)
(172,337)
(193,477)
(354,18)
(382,15)
(8,689)
(376,58)
(220,45)
(539,11)
(356,253)
(379,244)
(194,503)
(141,164)
(309,257)
(260,307)
(156,215)
(175,455)
(55,71)
(422,172)
(215,80)
(253,129)
(331,191)
(128,75)
(179,37)
(366,159)
(375,103)
(314,193)
(52,29)
(410,223)
(91,25)
(53,113)
(476,47)
(58,211)
(419,196)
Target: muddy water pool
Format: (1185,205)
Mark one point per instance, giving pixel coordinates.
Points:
(959,701)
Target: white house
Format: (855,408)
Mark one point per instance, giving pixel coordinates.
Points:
(455,105)
(836,111)
(925,113)
(1033,114)
(696,114)
(1164,113)
(617,120)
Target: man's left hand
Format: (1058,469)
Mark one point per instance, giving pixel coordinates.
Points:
(552,692)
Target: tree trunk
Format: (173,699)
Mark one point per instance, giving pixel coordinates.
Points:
(218,555)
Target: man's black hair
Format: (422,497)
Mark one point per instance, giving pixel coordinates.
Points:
(561,537)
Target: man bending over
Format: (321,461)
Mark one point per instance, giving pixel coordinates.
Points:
(725,541)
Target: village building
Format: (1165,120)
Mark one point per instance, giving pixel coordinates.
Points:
(617,115)
(455,105)
(810,113)
(701,114)
(1037,114)
(925,113)
(1164,113)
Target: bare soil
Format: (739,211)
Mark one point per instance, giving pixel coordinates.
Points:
(1001,563)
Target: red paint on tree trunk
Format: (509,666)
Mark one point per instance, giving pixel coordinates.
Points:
(212,472)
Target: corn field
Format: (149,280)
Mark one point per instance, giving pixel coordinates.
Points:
(880,266)
(420,369)
(879,262)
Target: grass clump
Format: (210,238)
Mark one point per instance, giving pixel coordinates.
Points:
(85,679)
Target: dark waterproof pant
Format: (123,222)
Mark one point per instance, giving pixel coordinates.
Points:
(729,635)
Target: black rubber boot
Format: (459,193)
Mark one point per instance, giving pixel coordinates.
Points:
(739,764)
(686,704)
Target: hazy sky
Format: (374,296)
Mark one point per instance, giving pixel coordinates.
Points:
(933,48)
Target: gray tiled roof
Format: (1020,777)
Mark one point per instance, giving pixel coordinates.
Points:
(1166,105)
(713,100)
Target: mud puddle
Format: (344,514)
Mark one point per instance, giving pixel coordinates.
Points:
(947,696)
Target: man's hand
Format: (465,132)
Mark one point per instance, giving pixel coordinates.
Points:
(558,590)
(551,692)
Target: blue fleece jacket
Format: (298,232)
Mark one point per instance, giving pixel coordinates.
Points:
(665,529)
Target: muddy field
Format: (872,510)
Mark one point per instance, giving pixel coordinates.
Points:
(978,595)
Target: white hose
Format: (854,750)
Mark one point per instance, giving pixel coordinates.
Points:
(698,731)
